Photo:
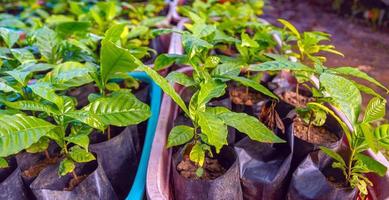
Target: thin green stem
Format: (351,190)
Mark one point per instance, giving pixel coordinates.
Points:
(350,165)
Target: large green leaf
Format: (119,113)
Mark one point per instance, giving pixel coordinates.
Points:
(166,87)
(372,165)
(180,135)
(46,41)
(253,84)
(23,55)
(344,94)
(31,105)
(375,110)
(69,28)
(4,87)
(251,126)
(71,74)
(210,89)
(18,132)
(180,78)
(10,37)
(87,118)
(115,59)
(80,139)
(227,69)
(247,41)
(21,73)
(45,91)
(80,155)
(381,134)
(352,71)
(193,45)
(114,32)
(214,128)
(280,64)
(120,109)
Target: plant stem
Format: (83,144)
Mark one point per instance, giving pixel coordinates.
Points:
(75,175)
(310,124)
(350,164)
(47,155)
(297,93)
(109,132)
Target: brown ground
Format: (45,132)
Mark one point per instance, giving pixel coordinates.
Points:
(212,169)
(295,100)
(316,135)
(241,95)
(362,46)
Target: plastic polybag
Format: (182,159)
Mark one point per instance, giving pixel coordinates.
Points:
(226,187)
(11,184)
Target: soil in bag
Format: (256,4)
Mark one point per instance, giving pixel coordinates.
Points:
(11,183)
(329,135)
(264,168)
(91,183)
(315,179)
(120,154)
(220,179)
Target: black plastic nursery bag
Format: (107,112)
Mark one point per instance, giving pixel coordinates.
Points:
(11,184)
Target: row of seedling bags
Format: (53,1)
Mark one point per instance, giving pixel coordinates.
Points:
(249,109)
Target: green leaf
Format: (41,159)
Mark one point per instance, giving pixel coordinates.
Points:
(197,154)
(290,27)
(180,78)
(344,94)
(372,165)
(115,59)
(31,105)
(69,28)
(39,146)
(381,134)
(79,139)
(46,41)
(366,89)
(18,132)
(66,166)
(193,45)
(375,110)
(366,130)
(3,163)
(352,71)
(253,84)
(278,65)
(120,109)
(166,87)
(10,37)
(80,155)
(334,155)
(251,126)
(23,71)
(71,74)
(5,87)
(211,62)
(166,60)
(47,92)
(200,172)
(214,128)
(227,69)
(180,135)
(210,89)
(23,55)
(114,32)
(87,118)
(248,42)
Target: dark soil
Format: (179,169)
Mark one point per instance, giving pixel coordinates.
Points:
(363,46)
(74,182)
(34,170)
(317,135)
(296,100)
(244,96)
(212,169)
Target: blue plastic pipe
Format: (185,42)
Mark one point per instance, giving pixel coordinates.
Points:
(138,187)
